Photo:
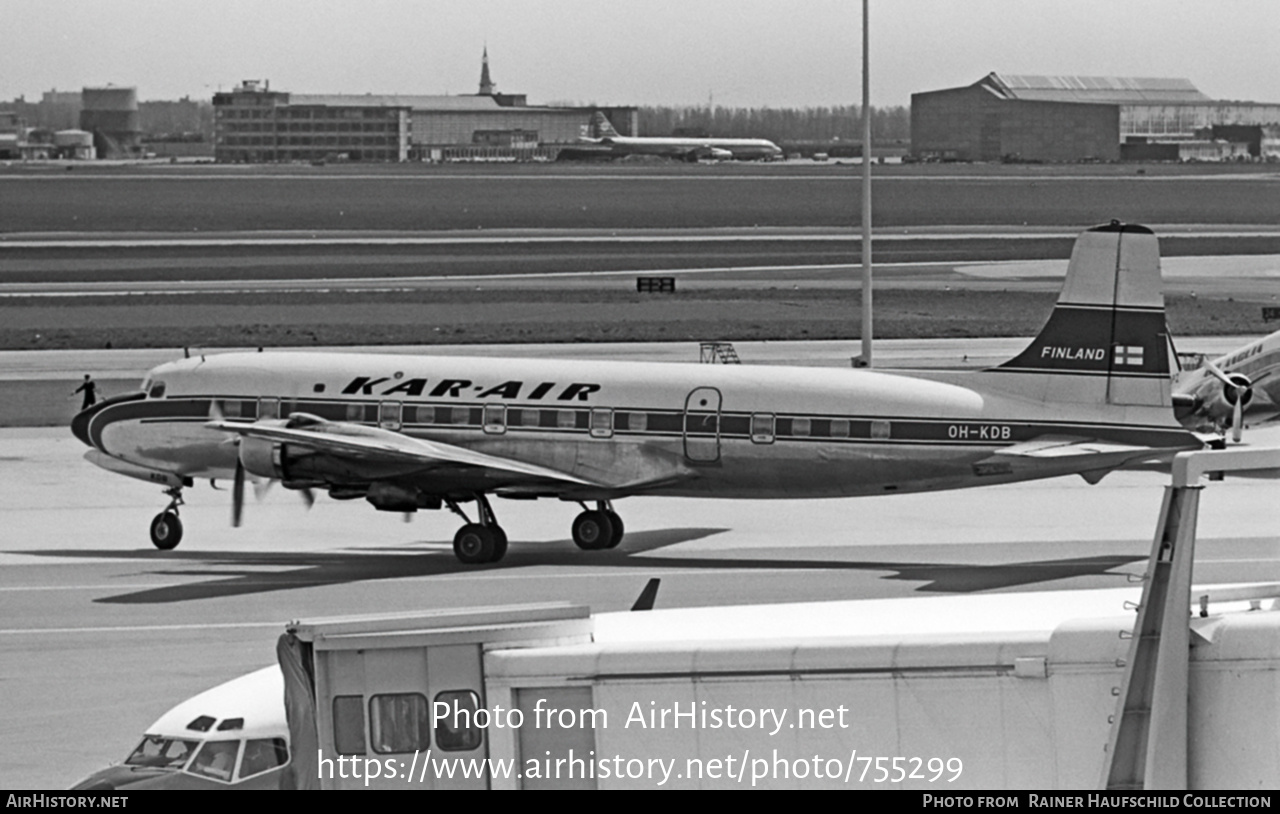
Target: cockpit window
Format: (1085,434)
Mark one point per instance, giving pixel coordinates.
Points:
(165,753)
(216,759)
(263,755)
(156,391)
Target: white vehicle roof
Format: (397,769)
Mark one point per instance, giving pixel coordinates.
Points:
(898,618)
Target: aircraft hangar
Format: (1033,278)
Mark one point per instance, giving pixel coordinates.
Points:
(256,124)
(1005,117)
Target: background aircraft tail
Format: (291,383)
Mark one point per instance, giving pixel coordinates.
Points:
(602,126)
(1106,341)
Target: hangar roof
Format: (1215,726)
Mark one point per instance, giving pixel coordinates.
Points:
(1098,89)
(395,100)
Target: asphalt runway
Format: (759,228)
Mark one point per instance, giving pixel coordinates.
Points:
(247,261)
(733,194)
(103,633)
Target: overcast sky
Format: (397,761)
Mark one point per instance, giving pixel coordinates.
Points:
(735,52)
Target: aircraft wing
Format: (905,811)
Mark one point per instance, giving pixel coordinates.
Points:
(372,445)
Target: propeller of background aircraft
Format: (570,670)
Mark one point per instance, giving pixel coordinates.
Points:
(1237,391)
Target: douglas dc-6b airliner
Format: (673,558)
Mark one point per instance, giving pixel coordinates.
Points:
(1091,393)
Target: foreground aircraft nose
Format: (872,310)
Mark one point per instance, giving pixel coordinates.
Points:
(80,423)
(126,777)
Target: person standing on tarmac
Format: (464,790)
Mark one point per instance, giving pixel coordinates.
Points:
(89,388)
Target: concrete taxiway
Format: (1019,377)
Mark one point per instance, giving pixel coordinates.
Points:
(102,633)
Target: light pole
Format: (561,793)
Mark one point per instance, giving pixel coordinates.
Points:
(865,359)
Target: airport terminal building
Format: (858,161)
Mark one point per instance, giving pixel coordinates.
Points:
(253,124)
(1004,117)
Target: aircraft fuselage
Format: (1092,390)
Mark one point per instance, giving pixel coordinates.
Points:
(627,428)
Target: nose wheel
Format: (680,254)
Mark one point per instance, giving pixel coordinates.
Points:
(166,527)
(599,529)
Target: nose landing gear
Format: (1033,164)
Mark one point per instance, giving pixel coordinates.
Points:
(166,528)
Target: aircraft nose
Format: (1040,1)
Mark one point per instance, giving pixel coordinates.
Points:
(80,423)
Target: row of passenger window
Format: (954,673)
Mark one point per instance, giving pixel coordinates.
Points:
(599,420)
(401,722)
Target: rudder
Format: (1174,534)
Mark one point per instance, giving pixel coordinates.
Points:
(1107,339)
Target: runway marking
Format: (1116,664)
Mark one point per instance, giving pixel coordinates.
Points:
(311,239)
(142,628)
(81,587)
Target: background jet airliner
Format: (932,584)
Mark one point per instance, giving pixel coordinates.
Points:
(688,149)
(1238,388)
(1091,393)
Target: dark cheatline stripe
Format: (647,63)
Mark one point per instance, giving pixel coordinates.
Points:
(863,429)
(146,409)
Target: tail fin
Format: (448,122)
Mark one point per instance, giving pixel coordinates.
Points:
(1106,341)
(603,127)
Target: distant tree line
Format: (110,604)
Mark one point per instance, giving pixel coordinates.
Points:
(779,124)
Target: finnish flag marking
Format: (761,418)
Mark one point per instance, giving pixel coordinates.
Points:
(1129,355)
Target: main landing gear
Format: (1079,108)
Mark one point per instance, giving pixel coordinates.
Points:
(166,528)
(599,529)
(486,542)
(479,543)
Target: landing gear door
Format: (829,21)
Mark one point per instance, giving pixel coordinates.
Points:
(455,676)
(702,425)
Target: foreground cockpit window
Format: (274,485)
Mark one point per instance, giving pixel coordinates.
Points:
(217,759)
(164,753)
(262,755)
(156,391)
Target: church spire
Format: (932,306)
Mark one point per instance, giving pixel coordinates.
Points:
(486,84)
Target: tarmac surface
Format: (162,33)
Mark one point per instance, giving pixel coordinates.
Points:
(102,633)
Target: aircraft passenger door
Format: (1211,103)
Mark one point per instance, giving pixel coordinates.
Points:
(702,425)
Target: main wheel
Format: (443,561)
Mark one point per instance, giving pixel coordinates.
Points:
(499,543)
(618,528)
(592,531)
(166,530)
(473,544)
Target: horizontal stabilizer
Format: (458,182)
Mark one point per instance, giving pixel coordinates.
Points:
(1053,446)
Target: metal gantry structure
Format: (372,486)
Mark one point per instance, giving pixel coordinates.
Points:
(1147,746)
